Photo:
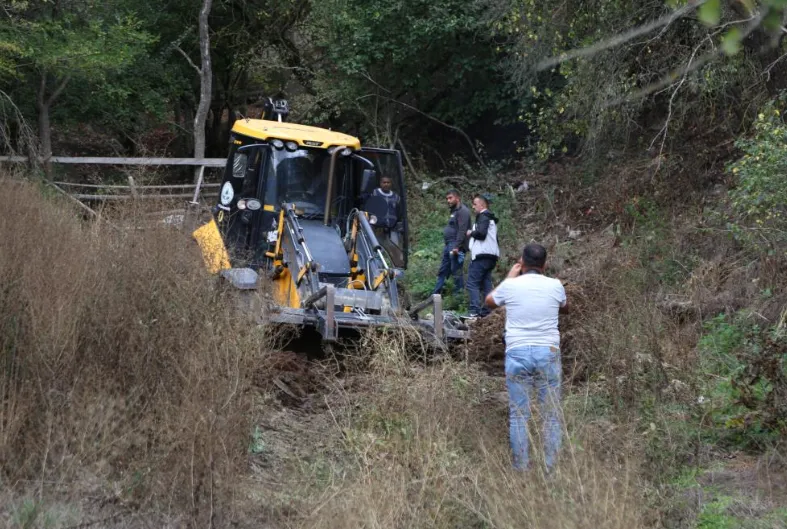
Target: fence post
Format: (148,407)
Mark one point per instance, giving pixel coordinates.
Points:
(132,186)
(197,188)
(191,217)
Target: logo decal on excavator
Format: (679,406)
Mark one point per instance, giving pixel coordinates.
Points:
(227,193)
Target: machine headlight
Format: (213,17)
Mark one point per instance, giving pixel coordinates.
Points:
(372,220)
(291,146)
(277,143)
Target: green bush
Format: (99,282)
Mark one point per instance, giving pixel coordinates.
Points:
(746,379)
(760,198)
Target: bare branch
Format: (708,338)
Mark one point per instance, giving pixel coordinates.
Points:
(199,71)
(665,129)
(771,66)
(619,39)
(26,137)
(58,90)
(375,83)
(671,78)
(443,123)
(767,71)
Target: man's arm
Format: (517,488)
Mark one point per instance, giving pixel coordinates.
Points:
(564,303)
(462,220)
(481,228)
(490,300)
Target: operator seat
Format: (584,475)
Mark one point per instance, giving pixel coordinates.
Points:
(297,180)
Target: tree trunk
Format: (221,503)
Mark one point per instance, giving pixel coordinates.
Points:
(44,126)
(45,137)
(43,104)
(206,77)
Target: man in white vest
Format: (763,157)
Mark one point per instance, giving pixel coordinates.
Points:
(484,253)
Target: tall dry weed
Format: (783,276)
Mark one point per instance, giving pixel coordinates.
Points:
(430,449)
(125,371)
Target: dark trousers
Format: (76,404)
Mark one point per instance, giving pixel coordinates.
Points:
(479,283)
(451,265)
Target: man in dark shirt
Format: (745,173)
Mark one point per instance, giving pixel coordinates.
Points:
(385,206)
(455,237)
(392,200)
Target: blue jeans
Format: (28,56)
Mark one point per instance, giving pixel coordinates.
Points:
(479,283)
(530,367)
(451,265)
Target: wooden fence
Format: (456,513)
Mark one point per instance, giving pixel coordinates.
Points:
(132,191)
(91,160)
(86,194)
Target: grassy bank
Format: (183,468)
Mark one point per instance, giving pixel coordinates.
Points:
(133,396)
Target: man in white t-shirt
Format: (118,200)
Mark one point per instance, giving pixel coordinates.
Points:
(533,302)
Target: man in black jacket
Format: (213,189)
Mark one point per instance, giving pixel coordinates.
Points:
(455,237)
(484,252)
(392,200)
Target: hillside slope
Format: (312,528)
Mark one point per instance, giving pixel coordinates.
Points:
(130,401)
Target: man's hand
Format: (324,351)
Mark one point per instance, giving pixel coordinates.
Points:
(455,251)
(469,232)
(516,270)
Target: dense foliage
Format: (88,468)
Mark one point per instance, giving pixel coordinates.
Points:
(649,75)
(760,198)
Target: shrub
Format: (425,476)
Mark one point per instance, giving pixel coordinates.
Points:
(760,198)
(747,379)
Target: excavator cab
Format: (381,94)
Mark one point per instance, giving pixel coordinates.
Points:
(320,216)
(262,178)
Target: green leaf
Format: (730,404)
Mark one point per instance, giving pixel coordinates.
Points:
(710,12)
(773,20)
(731,41)
(749,5)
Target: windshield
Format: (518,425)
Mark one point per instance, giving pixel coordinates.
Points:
(300,178)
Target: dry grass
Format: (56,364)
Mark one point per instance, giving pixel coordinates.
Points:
(124,375)
(125,378)
(428,448)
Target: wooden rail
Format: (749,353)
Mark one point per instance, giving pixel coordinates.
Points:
(136,192)
(204,162)
(102,186)
(132,190)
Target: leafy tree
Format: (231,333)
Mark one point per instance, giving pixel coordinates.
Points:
(66,42)
(252,50)
(634,72)
(388,64)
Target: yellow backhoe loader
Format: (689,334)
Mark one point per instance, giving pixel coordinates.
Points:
(298,206)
